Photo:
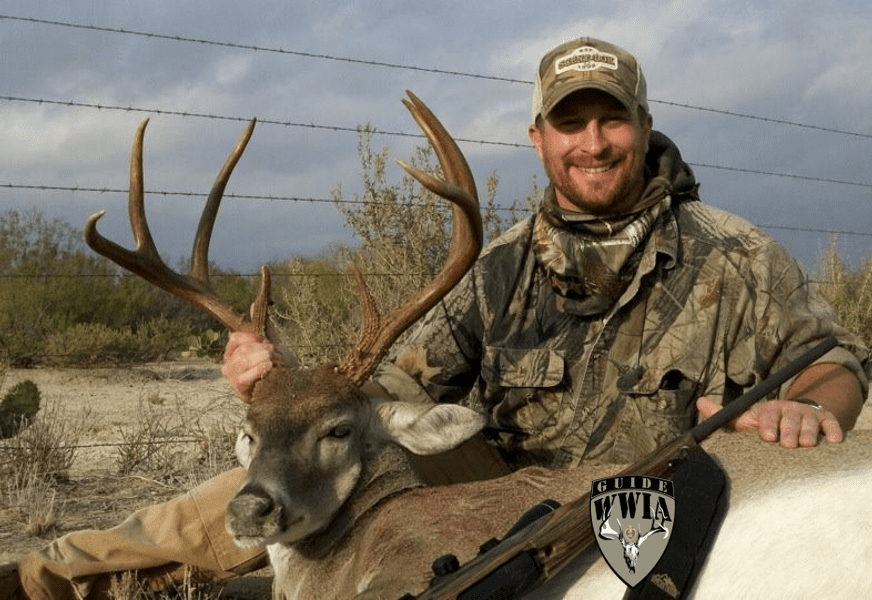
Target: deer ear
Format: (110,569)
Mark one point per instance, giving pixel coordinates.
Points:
(428,428)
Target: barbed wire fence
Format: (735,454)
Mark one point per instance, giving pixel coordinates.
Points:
(168,38)
(245,47)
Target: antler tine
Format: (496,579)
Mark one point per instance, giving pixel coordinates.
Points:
(466,241)
(461,189)
(200,252)
(145,260)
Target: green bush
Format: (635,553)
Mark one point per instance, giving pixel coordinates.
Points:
(95,344)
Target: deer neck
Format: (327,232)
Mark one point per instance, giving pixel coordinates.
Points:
(385,474)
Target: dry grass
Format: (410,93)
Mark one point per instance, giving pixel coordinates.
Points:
(848,289)
(30,501)
(45,449)
(126,586)
(175,444)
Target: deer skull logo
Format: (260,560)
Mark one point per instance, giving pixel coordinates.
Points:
(633,518)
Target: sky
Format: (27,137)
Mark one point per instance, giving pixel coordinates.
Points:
(768,102)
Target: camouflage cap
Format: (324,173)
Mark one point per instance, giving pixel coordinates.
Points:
(588,63)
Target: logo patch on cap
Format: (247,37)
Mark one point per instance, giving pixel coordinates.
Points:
(586,58)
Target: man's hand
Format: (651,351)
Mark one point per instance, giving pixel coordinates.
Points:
(794,424)
(790,423)
(247,358)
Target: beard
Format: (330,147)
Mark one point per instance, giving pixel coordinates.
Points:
(596,198)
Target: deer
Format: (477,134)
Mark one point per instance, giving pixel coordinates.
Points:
(331,489)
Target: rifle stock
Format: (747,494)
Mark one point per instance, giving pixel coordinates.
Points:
(547,545)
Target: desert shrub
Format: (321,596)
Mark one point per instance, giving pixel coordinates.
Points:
(209,343)
(404,232)
(315,309)
(161,337)
(51,282)
(215,451)
(174,443)
(148,444)
(848,290)
(95,344)
(30,498)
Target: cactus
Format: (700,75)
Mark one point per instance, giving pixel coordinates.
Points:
(18,408)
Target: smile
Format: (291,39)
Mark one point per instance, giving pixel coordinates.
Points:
(600,169)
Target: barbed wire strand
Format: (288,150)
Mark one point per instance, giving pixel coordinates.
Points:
(391,65)
(420,136)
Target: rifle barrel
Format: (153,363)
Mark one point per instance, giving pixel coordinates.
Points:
(761,390)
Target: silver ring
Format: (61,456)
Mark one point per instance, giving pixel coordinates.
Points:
(807,402)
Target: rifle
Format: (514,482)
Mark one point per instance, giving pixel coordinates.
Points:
(534,552)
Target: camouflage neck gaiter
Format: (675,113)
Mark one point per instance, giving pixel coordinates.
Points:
(590,261)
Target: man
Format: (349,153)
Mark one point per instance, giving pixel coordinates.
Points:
(588,330)
(597,329)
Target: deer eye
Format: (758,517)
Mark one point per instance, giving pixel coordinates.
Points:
(340,431)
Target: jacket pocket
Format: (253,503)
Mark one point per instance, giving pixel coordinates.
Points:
(522,388)
(663,396)
(522,368)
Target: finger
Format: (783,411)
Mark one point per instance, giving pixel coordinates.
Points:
(832,430)
(810,429)
(243,385)
(769,421)
(245,363)
(244,357)
(238,339)
(242,379)
(706,407)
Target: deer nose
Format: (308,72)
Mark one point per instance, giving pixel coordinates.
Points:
(253,506)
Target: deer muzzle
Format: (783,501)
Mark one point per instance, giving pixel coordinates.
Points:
(254,517)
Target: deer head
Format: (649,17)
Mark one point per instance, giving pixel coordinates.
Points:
(310,435)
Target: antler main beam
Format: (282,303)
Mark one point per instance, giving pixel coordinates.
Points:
(379,332)
(145,260)
(466,241)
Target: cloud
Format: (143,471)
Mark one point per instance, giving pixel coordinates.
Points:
(781,60)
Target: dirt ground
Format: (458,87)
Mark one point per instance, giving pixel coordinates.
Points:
(187,399)
(181,396)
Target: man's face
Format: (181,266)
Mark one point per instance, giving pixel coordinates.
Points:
(593,149)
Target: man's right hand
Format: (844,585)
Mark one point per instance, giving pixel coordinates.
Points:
(247,358)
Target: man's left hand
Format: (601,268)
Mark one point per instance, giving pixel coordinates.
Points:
(790,423)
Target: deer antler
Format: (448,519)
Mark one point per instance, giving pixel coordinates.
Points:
(466,241)
(379,332)
(145,260)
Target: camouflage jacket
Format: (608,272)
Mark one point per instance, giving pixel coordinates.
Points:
(715,306)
